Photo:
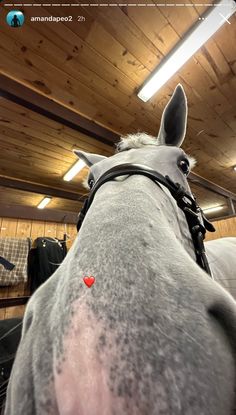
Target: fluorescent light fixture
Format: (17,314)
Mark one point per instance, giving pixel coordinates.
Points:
(213,209)
(75,169)
(44,202)
(218,15)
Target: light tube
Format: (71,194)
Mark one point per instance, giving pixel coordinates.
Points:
(44,202)
(213,209)
(75,169)
(201,32)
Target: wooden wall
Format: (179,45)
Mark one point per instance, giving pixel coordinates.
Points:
(225,227)
(33,229)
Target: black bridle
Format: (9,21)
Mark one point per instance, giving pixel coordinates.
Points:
(197,222)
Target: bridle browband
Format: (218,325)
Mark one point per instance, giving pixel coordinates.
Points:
(197,222)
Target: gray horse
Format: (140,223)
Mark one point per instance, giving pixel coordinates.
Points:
(154,334)
(221,254)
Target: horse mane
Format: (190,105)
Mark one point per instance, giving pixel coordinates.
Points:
(140,140)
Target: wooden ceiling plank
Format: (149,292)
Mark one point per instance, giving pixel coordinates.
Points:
(229,90)
(230,120)
(129,35)
(180,18)
(63,204)
(55,83)
(77,52)
(197,77)
(154,26)
(47,178)
(170,15)
(201,110)
(28,60)
(86,103)
(29,162)
(217,61)
(10,141)
(16,197)
(53,110)
(31,144)
(93,59)
(97,31)
(72,60)
(32,39)
(38,168)
(57,133)
(208,143)
(217,166)
(225,39)
(113,51)
(27,169)
(214,63)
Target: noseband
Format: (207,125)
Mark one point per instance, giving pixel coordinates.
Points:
(197,222)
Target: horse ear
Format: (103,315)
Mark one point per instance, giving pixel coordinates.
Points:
(174,119)
(89,158)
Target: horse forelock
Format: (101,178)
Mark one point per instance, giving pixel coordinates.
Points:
(139,140)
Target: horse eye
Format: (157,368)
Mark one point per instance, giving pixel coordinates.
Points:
(184,166)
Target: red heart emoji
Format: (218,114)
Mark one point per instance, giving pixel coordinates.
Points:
(89,281)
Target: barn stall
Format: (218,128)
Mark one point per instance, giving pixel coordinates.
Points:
(74,85)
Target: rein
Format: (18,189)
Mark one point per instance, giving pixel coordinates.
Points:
(197,222)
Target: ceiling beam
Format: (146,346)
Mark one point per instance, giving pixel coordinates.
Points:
(64,194)
(22,95)
(207,184)
(39,188)
(231,206)
(32,213)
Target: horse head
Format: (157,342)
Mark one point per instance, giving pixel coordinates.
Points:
(162,154)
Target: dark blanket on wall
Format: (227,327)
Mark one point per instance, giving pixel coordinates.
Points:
(44,258)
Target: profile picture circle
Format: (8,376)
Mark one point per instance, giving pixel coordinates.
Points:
(15,18)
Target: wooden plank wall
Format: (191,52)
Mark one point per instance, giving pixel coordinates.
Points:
(225,227)
(32,229)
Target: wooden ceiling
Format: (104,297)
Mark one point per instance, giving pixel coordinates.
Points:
(94,67)
(41,148)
